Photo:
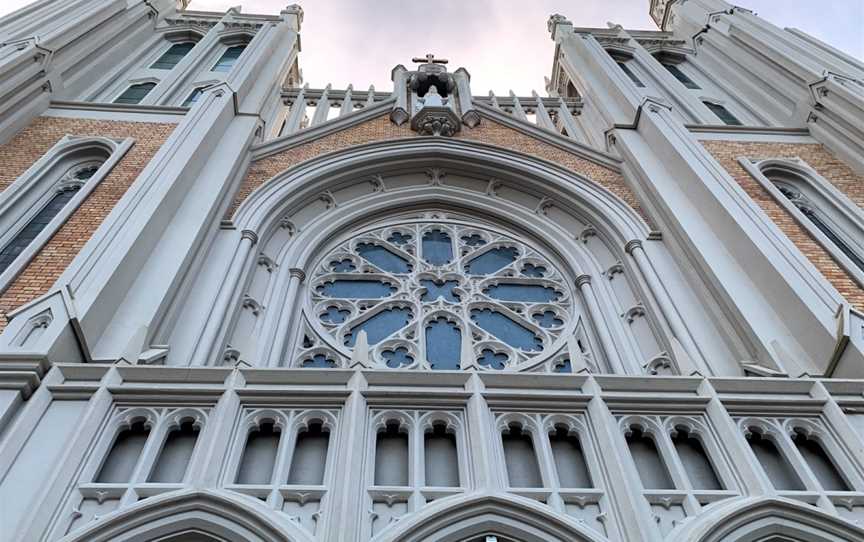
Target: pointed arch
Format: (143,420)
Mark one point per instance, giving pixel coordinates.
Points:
(573,191)
(760,519)
(203,512)
(504,515)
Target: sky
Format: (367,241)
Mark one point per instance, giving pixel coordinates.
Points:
(502,43)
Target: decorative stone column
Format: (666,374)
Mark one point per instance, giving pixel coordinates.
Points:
(285,332)
(690,360)
(400,115)
(615,362)
(204,351)
(466,105)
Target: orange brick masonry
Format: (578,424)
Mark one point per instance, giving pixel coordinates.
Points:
(32,143)
(381,129)
(827,165)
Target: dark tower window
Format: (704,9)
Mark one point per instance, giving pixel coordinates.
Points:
(626,69)
(723,114)
(229,58)
(173,56)
(681,76)
(135,93)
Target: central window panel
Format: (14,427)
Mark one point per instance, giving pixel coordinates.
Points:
(440,296)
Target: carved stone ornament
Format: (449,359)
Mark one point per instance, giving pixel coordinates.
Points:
(436,120)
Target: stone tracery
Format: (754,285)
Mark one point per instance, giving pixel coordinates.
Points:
(441,295)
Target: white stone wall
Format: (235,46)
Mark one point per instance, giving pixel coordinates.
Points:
(166,392)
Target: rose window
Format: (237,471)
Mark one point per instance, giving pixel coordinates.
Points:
(440,296)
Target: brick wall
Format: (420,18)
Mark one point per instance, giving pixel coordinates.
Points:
(381,129)
(31,144)
(827,165)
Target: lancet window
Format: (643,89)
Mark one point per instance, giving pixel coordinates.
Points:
(550,458)
(415,458)
(39,202)
(173,56)
(140,453)
(284,458)
(801,456)
(723,113)
(819,212)
(229,58)
(677,461)
(134,94)
(631,74)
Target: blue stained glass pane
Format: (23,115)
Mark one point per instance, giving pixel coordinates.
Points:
(507,330)
(399,238)
(343,266)
(437,248)
(319,361)
(443,345)
(564,367)
(473,240)
(397,358)
(492,360)
(434,290)
(547,319)
(492,261)
(356,289)
(380,326)
(536,271)
(531,293)
(383,258)
(334,315)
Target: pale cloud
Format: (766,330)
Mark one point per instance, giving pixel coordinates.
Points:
(502,43)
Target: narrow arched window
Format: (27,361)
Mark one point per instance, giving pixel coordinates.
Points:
(259,455)
(779,471)
(229,58)
(125,452)
(820,217)
(442,457)
(34,227)
(682,77)
(520,457)
(723,114)
(309,461)
(391,456)
(820,462)
(135,93)
(631,74)
(652,469)
(696,462)
(569,459)
(173,56)
(176,453)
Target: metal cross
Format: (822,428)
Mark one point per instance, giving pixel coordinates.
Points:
(430,59)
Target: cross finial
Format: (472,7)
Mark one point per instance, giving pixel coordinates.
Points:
(430,59)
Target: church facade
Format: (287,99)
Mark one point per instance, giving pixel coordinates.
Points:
(234,307)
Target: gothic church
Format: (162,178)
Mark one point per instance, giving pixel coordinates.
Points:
(235,307)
